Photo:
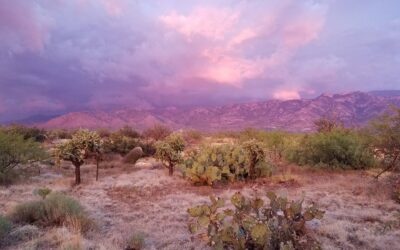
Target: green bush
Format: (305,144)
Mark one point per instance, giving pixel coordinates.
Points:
(35,134)
(5,228)
(55,210)
(157,132)
(337,149)
(135,242)
(16,151)
(117,143)
(252,225)
(228,162)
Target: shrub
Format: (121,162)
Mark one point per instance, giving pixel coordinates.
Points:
(128,132)
(5,228)
(55,210)
(210,164)
(133,156)
(157,132)
(15,151)
(35,134)
(149,148)
(42,192)
(59,134)
(252,225)
(277,143)
(135,242)
(170,151)
(117,143)
(386,139)
(192,136)
(339,148)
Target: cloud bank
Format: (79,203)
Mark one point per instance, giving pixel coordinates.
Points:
(64,55)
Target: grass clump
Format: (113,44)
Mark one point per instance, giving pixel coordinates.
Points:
(5,227)
(55,210)
(135,242)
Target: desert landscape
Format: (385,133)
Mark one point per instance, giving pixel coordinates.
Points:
(136,204)
(199,125)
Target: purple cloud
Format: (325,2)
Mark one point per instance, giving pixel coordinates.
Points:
(63,55)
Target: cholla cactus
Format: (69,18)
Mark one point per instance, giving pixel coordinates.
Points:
(252,225)
(170,151)
(84,144)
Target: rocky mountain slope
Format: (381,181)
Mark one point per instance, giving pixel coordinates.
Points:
(353,109)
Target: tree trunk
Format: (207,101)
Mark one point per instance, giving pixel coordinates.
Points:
(77,174)
(391,166)
(171,169)
(252,167)
(97,168)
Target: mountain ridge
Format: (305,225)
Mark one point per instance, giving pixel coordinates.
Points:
(353,109)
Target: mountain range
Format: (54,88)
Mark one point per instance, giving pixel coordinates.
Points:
(353,109)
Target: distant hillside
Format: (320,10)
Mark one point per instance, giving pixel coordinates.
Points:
(353,109)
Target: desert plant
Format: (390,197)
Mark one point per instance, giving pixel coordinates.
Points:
(84,143)
(337,149)
(135,242)
(386,139)
(55,210)
(133,156)
(228,162)
(120,144)
(5,228)
(327,124)
(277,143)
(35,134)
(15,151)
(252,225)
(157,132)
(192,136)
(169,151)
(128,132)
(42,192)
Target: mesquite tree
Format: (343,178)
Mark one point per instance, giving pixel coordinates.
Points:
(15,151)
(386,132)
(170,151)
(84,144)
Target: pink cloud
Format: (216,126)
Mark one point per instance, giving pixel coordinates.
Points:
(220,33)
(21,27)
(209,22)
(286,95)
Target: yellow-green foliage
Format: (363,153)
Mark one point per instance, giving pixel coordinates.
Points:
(339,148)
(42,192)
(228,162)
(55,210)
(169,151)
(5,228)
(253,225)
(386,138)
(135,242)
(15,151)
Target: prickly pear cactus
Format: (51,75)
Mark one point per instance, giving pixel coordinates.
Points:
(252,225)
(227,163)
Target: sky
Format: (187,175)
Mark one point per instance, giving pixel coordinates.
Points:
(58,56)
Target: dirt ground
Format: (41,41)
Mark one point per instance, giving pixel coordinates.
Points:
(143,198)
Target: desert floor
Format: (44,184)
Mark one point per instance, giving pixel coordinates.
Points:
(131,199)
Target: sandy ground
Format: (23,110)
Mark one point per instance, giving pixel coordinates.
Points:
(143,198)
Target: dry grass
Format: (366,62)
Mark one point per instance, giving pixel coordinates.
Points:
(143,198)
